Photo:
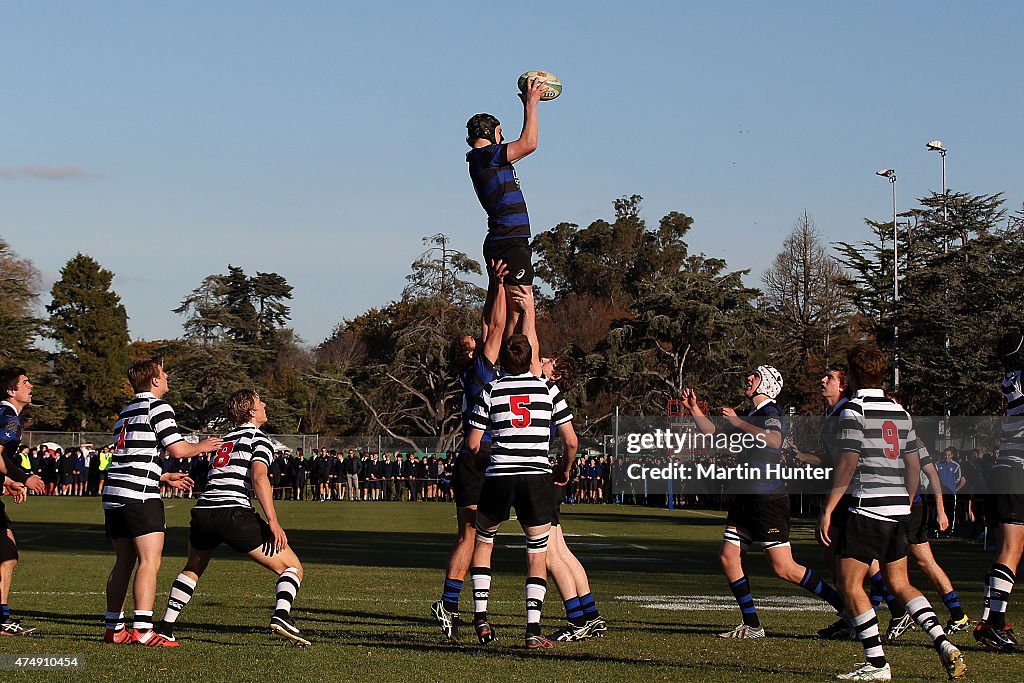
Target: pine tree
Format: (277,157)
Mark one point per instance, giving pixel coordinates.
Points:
(90,327)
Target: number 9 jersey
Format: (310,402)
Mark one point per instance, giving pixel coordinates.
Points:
(881,432)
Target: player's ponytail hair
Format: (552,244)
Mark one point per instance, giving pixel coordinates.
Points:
(240,405)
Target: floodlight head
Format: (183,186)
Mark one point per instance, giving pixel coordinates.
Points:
(886,173)
(936,146)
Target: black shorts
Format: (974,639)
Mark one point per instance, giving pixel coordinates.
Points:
(240,528)
(517,255)
(468,478)
(917,524)
(529,494)
(5,521)
(764,517)
(866,539)
(837,523)
(556,504)
(1006,508)
(135,519)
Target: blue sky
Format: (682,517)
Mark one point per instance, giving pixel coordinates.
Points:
(322,140)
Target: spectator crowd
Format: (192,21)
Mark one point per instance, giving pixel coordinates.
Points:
(329,474)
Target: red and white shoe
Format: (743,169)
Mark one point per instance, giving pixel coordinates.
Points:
(118,636)
(153,639)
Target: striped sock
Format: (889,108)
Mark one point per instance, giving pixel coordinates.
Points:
(286,589)
(921,610)
(143,621)
(481,579)
(866,626)
(589,607)
(745,599)
(812,583)
(573,611)
(1000,585)
(450,594)
(536,589)
(952,602)
(115,621)
(181,592)
(5,612)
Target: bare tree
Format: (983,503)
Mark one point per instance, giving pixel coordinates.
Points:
(805,301)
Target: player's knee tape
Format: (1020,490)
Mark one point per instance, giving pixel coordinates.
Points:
(291,570)
(485,535)
(737,538)
(537,544)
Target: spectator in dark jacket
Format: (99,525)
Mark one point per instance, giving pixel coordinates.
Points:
(409,475)
(352,469)
(300,473)
(387,474)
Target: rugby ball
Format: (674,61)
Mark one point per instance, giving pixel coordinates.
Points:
(554,86)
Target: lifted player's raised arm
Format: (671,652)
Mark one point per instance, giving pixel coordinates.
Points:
(495,311)
(525,306)
(528,138)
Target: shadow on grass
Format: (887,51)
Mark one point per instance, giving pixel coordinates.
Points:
(393,549)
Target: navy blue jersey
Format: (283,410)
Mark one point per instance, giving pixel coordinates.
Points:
(10,442)
(10,430)
(767,416)
(497,187)
(478,374)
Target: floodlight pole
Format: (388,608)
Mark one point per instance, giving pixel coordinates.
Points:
(891,175)
(937,146)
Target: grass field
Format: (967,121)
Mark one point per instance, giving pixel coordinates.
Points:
(372,570)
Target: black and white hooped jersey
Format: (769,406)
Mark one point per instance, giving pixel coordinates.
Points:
(230,479)
(881,432)
(144,430)
(1011,440)
(520,411)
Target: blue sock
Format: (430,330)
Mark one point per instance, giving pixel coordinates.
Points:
(741,590)
(5,612)
(824,591)
(573,612)
(895,608)
(450,596)
(952,602)
(877,590)
(589,607)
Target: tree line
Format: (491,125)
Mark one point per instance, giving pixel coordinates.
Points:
(642,316)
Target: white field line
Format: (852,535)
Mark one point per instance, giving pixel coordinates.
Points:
(711,603)
(76,529)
